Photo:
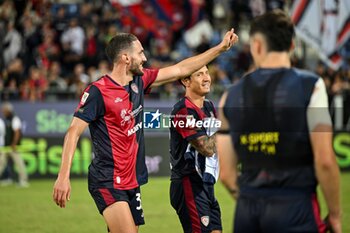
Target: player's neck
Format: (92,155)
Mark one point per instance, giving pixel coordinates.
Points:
(196,99)
(121,75)
(276,60)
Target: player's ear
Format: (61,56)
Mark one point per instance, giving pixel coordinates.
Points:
(126,58)
(185,81)
(258,45)
(292,46)
(252,44)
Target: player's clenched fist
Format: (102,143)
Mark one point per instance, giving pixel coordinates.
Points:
(229,40)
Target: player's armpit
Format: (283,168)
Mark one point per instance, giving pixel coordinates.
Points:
(205,145)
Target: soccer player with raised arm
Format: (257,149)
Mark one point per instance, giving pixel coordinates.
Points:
(112,107)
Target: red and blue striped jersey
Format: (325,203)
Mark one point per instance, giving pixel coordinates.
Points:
(115,117)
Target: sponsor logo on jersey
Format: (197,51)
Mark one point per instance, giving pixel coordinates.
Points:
(127,115)
(118,100)
(135,129)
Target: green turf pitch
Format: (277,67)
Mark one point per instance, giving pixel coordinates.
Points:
(32,209)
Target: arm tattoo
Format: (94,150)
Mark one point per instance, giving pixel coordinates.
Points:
(205,145)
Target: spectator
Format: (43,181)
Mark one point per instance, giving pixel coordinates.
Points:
(12,43)
(5,176)
(72,41)
(219,80)
(48,51)
(13,77)
(56,82)
(91,46)
(244,60)
(7,11)
(79,73)
(103,68)
(32,39)
(37,84)
(13,136)
(60,21)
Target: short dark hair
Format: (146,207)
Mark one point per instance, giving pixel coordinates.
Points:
(180,80)
(119,42)
(277,27)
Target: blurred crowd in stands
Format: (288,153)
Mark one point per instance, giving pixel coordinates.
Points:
(51,49)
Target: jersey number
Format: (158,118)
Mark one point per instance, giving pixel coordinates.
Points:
(138,198)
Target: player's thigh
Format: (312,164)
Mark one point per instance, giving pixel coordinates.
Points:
(119,218)
(194,206)
(136,206)
(105,197)
(294,214)
(245,218)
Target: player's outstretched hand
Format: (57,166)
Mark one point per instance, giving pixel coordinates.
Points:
(229,40)
(61,192)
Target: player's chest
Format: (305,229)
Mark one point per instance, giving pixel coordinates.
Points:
(123,107)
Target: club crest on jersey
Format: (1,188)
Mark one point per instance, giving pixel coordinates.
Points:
(84,97)
(205,220)
(134,88)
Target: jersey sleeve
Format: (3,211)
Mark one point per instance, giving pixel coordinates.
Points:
(16,123)
(149,76)
(185,123)
(317,110)
(91,105)
(2,132)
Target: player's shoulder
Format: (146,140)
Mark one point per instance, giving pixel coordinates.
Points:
(233,88)
(148,73)
(101,82)
(184,106)
(304,74)
(307,78)
(179,105)
(208,103)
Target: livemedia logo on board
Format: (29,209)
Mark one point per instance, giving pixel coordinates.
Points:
(157,120)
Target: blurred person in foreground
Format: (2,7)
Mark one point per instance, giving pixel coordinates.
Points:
(193,160)
(13,134)
(112,107)
(2,140)
(277,128)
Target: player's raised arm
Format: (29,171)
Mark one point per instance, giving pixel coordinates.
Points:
(190,65)
(62,188)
